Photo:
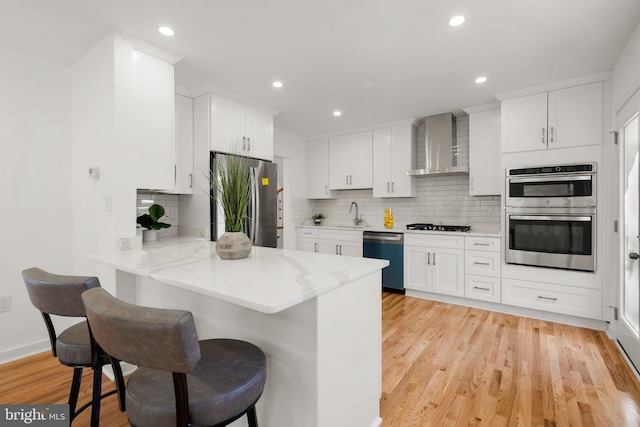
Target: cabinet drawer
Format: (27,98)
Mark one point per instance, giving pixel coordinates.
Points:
(308,232)
(434,241)
(555,298)
(482,288)
(482,263)
(345,236)
(491,244)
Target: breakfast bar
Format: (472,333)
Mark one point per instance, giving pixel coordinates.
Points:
(316,316)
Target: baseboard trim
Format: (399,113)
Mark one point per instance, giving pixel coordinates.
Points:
(18,353)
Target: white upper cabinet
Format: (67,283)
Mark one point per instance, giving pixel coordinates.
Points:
(153,103)
(183,128)
(351,161)
(557,119)
(485,175)
(237,129)
(318,169)
(394,151)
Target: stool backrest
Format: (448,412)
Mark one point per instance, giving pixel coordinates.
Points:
(57,294)
(150,337)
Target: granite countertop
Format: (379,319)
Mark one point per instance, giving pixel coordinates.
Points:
(268,281)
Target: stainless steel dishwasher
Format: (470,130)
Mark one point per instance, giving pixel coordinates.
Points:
(389,246)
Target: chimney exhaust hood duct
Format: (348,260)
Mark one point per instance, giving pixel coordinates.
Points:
(440,147)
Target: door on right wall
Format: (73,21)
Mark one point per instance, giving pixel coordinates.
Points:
(629,304)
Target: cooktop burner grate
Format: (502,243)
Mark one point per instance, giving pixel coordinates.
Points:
(438,227)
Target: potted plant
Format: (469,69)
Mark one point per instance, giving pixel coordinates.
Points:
(150,221)
(232,189)
(317,218)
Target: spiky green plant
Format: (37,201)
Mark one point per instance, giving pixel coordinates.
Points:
(233,190)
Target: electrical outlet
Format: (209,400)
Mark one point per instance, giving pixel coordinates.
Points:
(5,304)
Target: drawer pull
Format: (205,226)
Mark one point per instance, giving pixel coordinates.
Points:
(481,263)
(547,298)
(482,289)
(481,244)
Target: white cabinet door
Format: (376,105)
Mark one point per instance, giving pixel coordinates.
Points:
(382,162)
(339,162)
(361,160)
(336,242)
(393,155)
(183,145)
(318,169)
(227,126)
(152,98)
(415,268)
(351,249)
(403,158)
(485,175)
(447,271)
(575,116)
(524,123)
(308,245)
(259,134)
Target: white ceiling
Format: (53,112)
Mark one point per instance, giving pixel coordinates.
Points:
(324,50)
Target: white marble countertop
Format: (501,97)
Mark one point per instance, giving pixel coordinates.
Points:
(268,281)
(485,230)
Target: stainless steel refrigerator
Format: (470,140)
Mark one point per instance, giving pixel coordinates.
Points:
(261,223)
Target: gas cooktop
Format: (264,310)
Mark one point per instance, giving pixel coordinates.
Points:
(438,227)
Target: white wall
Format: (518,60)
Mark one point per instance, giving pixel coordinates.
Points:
(35,171)
(626,72)
(293,149)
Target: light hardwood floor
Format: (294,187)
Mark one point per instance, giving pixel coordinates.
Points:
(443,365)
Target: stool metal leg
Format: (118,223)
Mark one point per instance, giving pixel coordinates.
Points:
(251,417)
(75,390)
(97,391)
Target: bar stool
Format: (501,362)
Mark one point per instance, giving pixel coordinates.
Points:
(180,381)
(59,295)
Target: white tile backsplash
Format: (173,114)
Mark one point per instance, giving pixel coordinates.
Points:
(441,199)
(171,207)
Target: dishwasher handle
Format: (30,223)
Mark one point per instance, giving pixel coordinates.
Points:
(383,237)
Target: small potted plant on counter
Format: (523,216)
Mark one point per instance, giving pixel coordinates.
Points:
(150,221)
(317,218)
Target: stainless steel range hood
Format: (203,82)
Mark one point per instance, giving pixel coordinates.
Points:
(440,143)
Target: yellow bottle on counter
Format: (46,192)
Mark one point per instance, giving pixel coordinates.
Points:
(388,218)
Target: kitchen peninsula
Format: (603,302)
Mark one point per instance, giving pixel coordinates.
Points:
(316,316)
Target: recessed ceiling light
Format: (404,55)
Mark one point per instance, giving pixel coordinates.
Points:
(456,20)
(277,84)
(481,79)
(166,31)
(337,113)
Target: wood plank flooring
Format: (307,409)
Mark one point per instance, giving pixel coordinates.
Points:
(447,365)
(443,365)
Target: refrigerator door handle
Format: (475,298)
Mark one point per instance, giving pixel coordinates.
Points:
(255,206)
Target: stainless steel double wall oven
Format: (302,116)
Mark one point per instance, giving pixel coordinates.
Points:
(551,216)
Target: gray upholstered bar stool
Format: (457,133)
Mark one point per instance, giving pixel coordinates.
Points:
(55,294)
(180,381)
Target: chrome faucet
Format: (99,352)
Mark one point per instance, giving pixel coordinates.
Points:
(357,220)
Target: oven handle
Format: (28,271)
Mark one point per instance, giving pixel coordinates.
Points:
(551,178)
(551,218)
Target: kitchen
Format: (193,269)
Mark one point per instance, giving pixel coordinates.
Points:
(46,83)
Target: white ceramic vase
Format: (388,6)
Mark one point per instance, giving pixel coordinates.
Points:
(149,235)
(233,245)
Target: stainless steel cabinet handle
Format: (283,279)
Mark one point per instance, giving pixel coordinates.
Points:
(350,179)
(175,174)
(190,180)
(388,188)
(481,244)
(482,289)
(347,177)
(551,135)
(315,246)
(428,259)
(434,259)
(337,250)
(249,144)
(481,263)
(634,255)
(340,249)
(547,298)
(543,135)
(393,190)
(244,142)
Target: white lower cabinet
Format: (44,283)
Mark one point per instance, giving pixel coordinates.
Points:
(308,240)
(482,268)
(562,299)
(328,241)
(338,242)
(434,263)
